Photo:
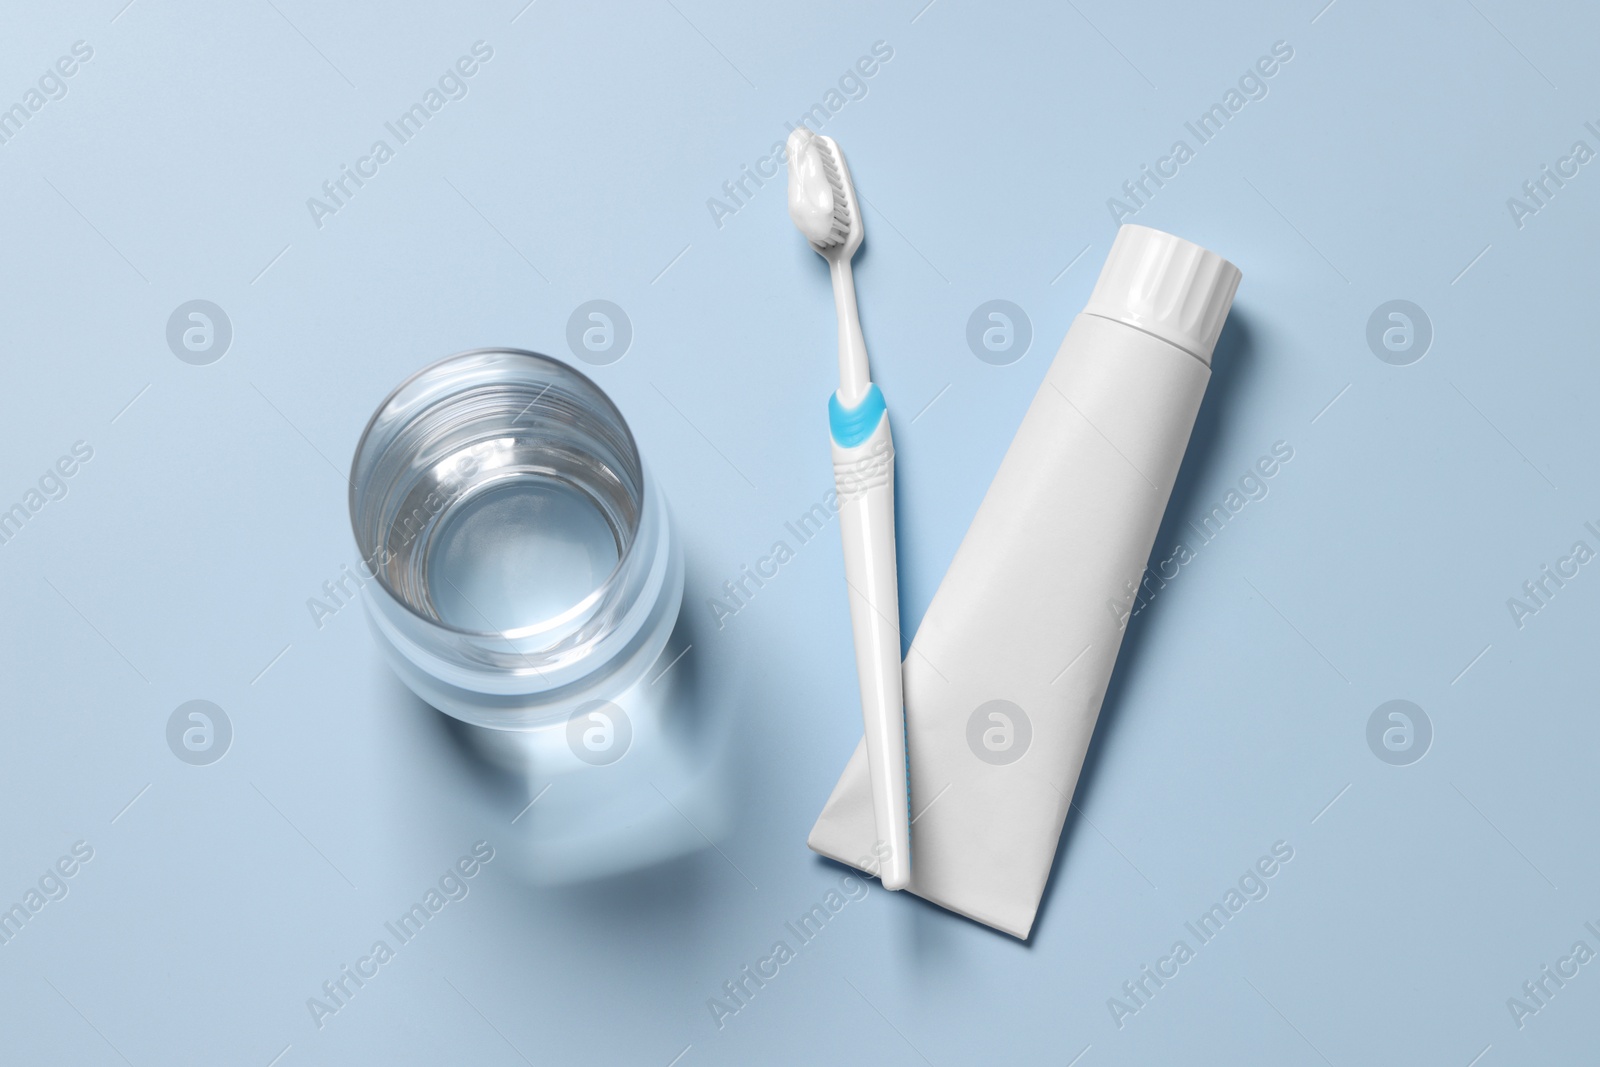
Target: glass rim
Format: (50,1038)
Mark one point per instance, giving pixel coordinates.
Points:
(378,574)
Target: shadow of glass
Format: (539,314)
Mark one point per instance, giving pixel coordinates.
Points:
(624,786)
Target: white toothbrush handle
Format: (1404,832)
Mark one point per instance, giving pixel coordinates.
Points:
(863,471)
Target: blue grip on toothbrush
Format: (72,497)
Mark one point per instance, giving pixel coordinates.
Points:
(851,426)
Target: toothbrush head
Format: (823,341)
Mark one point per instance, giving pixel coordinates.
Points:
(822,200)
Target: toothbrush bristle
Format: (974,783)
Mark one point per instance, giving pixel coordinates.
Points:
(841,198)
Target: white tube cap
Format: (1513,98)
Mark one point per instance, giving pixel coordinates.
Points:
(1166,286)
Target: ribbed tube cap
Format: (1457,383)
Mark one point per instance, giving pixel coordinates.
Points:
(1166,286)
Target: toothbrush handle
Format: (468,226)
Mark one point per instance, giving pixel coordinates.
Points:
(863,470)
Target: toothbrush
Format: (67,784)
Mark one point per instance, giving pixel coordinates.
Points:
(822,203)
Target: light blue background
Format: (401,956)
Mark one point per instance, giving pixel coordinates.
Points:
(179,564)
